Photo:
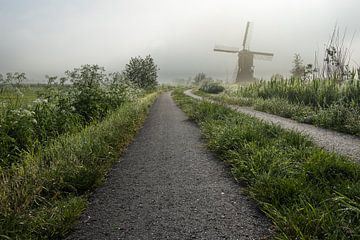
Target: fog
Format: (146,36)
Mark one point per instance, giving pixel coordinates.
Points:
(50,36)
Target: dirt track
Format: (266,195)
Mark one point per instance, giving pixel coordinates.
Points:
(168,186)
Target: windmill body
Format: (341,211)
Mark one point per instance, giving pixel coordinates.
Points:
(245,57)
(245,66)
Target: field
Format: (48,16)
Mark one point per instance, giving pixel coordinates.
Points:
(58,141)
(307,192)
(325,103)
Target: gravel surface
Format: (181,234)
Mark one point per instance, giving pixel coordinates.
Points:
(168,186)
(341,143)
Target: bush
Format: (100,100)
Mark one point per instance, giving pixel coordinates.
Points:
(142,72)
(211,87)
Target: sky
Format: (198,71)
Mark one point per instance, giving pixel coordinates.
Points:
(48,37)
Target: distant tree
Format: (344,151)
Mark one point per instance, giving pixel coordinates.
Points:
(199,77)
(298,70)
(14,79)
(142,72)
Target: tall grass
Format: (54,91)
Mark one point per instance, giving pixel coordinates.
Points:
(326,103)
(307,192)
(315,93)
(42,196)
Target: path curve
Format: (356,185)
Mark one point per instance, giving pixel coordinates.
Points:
(168,186)
(330,140)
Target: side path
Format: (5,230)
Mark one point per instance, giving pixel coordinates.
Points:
(341,143)
(168,186)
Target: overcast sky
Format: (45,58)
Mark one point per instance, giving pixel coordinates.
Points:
(50,36)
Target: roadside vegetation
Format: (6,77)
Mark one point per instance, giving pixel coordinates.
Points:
(206,84)
(307,192)
(325,103)
(211,87)
(59,140)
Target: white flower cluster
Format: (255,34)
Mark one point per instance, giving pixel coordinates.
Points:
(40,100)
(21,113)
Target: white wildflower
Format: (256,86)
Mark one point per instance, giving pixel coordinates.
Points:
(26,112)
(40,100)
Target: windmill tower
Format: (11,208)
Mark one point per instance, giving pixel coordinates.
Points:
(245,56)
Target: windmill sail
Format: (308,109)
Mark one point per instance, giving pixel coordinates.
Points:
(247,36)
(262,56)
(220,48)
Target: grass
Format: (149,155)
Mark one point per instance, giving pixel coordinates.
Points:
(324,103)
(20,96)
(43,195)
(307,192)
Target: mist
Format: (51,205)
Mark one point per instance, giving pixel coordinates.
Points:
(48,37)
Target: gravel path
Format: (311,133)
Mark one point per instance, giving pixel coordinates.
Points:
(168,186)
(341,143)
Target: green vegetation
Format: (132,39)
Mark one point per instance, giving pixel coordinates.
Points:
(206,84)
(43,195)
(142,72)
(198,78)
(307,192)
(326,103)
(211,87)
(60,109)
(58,143)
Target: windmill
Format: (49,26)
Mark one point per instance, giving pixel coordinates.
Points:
(245,56)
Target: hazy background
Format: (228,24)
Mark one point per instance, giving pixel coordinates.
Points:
(50,36)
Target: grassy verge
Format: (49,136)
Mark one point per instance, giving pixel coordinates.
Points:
(42,197)
(322,103)
(307,192)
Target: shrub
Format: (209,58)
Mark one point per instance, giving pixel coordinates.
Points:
(211,87)
(89,92)
(142,72)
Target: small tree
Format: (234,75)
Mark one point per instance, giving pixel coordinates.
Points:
(142,72)
(298,70)
(199,78)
